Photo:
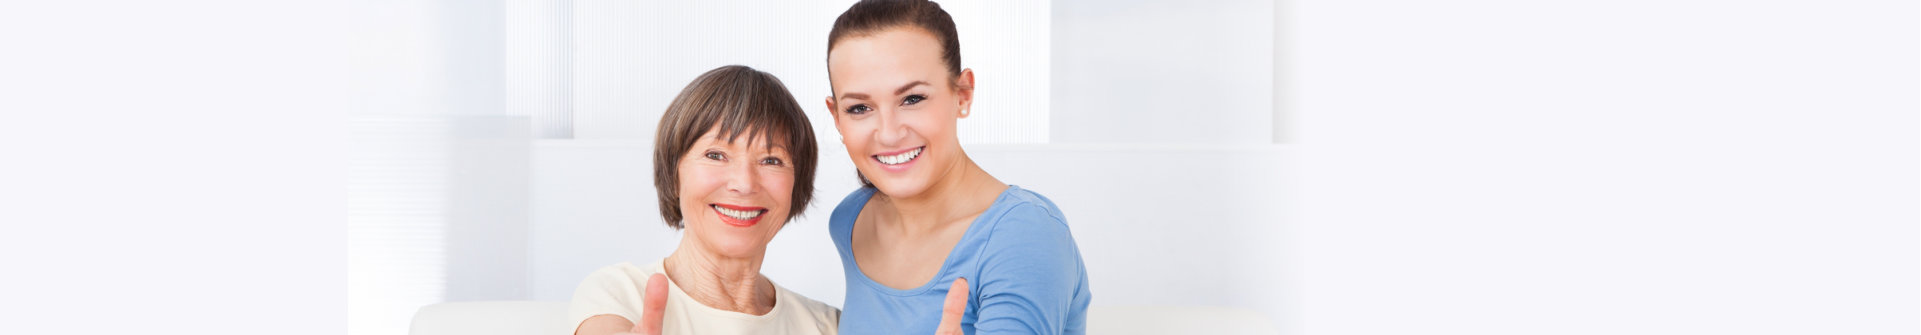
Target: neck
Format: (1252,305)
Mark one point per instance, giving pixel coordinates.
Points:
(962,191)
(726,283)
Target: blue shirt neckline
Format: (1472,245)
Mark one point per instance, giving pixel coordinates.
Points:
(946,264)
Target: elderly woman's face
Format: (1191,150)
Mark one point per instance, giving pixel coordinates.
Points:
(735,196)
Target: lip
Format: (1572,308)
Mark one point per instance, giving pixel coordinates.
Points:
(902,166)
(731,221)
(897,152)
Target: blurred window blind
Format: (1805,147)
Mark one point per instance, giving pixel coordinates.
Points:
(606,69)
(398,175)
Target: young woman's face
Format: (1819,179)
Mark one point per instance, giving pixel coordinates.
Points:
(734,196)
(896,107)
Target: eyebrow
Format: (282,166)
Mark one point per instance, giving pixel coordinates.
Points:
(898,91)
(771,144)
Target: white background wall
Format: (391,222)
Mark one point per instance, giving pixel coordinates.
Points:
(438,200)
(1135,71)
(1609,167)
(630,58)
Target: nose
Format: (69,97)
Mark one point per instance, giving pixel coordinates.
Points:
(892,131)
(741,178)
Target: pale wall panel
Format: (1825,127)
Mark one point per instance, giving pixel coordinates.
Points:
(631,58)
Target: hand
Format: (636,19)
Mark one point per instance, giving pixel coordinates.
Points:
(953,309)
(654,306)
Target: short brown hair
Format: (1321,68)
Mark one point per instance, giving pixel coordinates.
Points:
(741,100)
(872,16)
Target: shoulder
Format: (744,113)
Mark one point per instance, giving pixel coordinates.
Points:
(849,207)
(615,283)
(819,313)
(1021,211)
(611,290)
(1029,262)
(616,274)
(1026,230)
(841,222)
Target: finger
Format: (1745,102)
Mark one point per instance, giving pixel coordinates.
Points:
(654,307)
(953,309)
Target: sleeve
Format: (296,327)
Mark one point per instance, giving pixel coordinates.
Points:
(827,317)
(606,291)
(1031,275)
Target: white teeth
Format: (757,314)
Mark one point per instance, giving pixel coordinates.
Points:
(743,215)
(901,158)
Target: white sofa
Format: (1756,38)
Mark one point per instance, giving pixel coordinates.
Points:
(543,317)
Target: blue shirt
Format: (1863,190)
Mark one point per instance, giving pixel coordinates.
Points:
(1023,269)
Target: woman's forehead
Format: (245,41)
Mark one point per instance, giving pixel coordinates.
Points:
(887,58)
(748,136)
(901,38)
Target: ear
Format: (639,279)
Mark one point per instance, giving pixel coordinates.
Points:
(964,90)
(831,112)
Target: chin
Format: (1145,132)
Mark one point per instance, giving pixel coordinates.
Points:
(903,187)
(900,191)
(725,240)
(737,247)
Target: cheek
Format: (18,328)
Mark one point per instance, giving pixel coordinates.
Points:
(850,129)
(779,185)
(854,143)
(933,125)
(696,183)
(847,139)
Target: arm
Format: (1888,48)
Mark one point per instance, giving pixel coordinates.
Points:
(604,324)
(1031,276)
(655,301)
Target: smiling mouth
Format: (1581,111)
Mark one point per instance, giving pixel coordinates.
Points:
(901,158)
(741,214)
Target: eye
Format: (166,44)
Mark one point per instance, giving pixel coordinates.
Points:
(913,99)
(775,161)
(714,155)
(858,109)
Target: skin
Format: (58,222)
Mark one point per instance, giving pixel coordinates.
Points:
(892,92)
(718,263)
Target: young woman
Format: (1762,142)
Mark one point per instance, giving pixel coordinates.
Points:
(928,215)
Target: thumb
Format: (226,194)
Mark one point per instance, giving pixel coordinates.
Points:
(654,306)
(953,309)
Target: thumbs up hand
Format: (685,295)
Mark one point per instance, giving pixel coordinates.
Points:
(653,307)
(952,310)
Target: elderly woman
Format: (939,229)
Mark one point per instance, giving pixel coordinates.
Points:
(733,162)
